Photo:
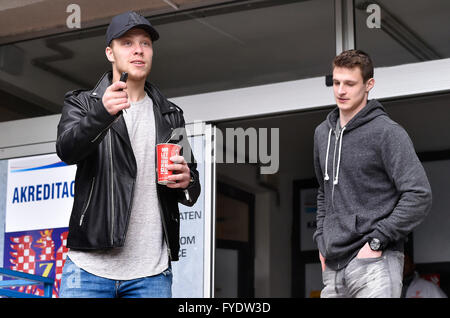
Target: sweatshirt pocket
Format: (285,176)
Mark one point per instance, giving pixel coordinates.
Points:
(340,234)
(364,224)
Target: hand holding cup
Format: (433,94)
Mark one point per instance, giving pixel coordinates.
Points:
(173,171)
(181,174)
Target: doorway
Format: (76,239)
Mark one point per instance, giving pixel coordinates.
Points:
(234,242)
(293,272)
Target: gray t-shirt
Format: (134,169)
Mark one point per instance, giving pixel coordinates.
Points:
(145,251)
(338,127)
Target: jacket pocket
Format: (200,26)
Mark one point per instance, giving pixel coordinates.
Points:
(87,202)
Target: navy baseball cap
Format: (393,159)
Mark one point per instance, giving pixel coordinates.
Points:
(122,23)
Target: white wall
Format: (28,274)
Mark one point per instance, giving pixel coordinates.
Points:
(27,137)
(401,80)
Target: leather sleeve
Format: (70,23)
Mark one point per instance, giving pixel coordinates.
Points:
(81,127)
(194,188)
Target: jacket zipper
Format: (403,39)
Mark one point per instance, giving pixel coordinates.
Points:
(128,214)
(88,201)
(109,126)
(112,188)
(170,136)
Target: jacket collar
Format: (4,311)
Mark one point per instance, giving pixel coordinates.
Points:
(152,91)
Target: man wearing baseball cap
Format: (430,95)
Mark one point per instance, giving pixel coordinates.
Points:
(124,227)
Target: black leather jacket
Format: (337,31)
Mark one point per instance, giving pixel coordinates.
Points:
(106,169)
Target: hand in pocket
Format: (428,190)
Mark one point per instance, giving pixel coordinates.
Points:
(366,252)
(322,261)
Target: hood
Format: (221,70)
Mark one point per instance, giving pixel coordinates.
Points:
(372,110)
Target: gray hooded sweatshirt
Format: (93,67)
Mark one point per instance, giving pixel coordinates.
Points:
(371,184)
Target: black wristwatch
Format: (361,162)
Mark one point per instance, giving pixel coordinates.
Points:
(375,244)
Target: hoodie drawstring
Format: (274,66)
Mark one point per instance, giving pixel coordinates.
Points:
(326,158)
(327,177)
(341,135)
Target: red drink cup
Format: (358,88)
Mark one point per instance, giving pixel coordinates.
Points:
(164,153)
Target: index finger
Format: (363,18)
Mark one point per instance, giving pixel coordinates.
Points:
(118,85)
(177,159)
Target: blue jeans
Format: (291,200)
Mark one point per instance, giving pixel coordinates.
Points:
(77,283)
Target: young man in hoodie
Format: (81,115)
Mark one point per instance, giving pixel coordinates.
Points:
(373,189)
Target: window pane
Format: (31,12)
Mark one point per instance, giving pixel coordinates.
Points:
(247,46)
(208,49)
(409,31)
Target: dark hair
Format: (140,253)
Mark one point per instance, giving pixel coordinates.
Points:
(355,58)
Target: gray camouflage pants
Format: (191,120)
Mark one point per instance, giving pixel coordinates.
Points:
(379,277)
